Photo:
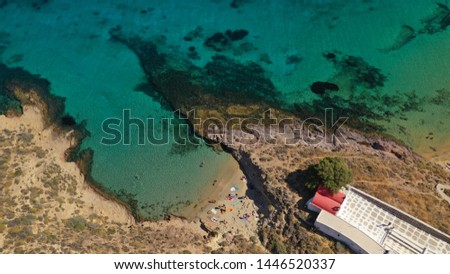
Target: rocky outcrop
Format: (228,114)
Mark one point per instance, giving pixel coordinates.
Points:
(226,90)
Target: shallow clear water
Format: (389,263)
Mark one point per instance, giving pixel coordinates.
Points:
(67,42)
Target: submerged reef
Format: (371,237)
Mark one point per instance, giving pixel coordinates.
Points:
(358,71)
(293,59)
(436,22)
(36,5)
(360,97)
(406,35)
(442,98)
(194,34)
(321,87)
(223,41)
(223,88)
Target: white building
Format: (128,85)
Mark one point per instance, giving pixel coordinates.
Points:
(369,225)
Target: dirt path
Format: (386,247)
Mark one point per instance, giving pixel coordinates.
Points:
(440,190)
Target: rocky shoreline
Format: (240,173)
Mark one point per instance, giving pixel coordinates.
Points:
(91,220)
(382,167)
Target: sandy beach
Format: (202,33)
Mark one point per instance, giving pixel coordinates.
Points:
(442,157)
(224,204)
(38,169)
(64,213)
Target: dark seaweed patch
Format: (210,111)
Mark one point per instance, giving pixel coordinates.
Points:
(438,21)
(293,59)
(406,35)
(243,48)
(228,74)
(38,4)
(3,3)
(221,82)
(194,34)
(265,58)
(223,41)
(362,73)
(193,54)
(218,42)
(236,35)
(442,98)
(329,55)
(236,3)
(15,58)
(321,87)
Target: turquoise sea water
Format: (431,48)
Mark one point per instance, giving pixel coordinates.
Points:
(68,43)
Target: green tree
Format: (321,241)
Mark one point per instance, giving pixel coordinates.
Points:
(332,173)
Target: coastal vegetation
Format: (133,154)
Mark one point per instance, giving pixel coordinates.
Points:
(282,171)
(47,207)
(332,173)
(50,212)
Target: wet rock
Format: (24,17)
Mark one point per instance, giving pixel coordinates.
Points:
(321,87)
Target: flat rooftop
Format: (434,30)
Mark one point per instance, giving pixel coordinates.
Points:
(393,229)
(349,231)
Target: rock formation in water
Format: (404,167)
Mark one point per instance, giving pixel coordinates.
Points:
(221,89)
(226,89)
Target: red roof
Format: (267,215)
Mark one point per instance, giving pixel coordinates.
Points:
(328,201)
(337,197)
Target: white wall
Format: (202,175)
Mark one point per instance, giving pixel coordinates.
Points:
(334,234)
